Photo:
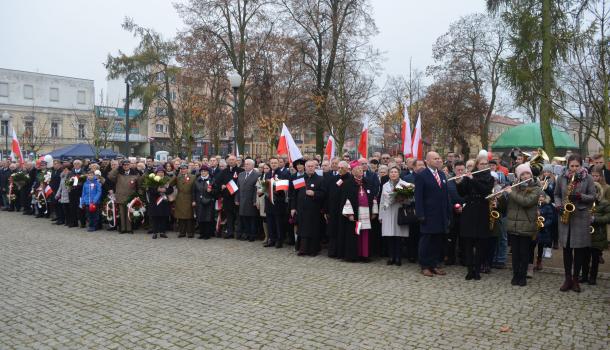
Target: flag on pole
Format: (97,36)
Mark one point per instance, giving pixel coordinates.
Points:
(406,135)
(331,148)
(16,148)
(236,150)
(363,144)
(288,146)
(281,185)
(232,187)
(298,183)
(418,144)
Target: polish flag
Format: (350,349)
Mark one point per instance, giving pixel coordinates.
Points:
(406,136)
(363,144)
(48,191)
(418,144)
(16,148)
(298,183)
(281,185)
(232,187)
(288,146)
(331,148)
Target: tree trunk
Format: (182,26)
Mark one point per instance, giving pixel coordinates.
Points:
(547,81)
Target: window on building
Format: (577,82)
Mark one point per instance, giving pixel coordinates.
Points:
(28,129)
(54,129)
(173,95)
(4,128)
(159,128)
(54,94)
(3,89)
(28,92)
(81,131)
(160,76)
(161,111)
(80,97)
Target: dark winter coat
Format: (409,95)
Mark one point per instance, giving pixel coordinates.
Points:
(204,200)
(162,209)
(474,221)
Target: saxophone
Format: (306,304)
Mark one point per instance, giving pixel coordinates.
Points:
(540,219)
(494,215)
(568,207)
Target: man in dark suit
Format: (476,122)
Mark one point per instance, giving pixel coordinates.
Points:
(277,212)
(229,207)
(214,168)
(433,210)
(246,181)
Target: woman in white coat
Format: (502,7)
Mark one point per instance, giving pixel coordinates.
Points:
(388,216)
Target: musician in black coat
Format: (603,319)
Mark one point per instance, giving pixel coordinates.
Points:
(474,221)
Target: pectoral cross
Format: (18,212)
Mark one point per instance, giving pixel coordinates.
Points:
(361,191)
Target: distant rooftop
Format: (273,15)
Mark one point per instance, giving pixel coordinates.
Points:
(38,73)
(501,119)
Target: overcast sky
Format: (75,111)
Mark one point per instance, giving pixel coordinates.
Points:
(73,37)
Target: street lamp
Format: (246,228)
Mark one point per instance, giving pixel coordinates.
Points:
(6,118)
(130,79)
(235,80)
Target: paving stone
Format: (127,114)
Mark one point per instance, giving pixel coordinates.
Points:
(68,289)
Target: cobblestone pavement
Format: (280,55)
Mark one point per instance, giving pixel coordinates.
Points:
(69,289)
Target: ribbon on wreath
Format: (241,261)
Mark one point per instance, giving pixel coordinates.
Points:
(11,195)
(132,212)
(41,200)
(111,207)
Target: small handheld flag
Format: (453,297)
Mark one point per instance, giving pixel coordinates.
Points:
(232,187)
(281,185)
(298,183)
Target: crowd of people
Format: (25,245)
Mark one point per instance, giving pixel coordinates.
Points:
(433,212)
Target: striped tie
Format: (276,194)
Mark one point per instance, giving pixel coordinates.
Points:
(438,178)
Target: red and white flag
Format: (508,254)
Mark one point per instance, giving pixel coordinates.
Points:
(298,183)
(16,148)
(406,135)
(288,146)
(281,185)
(232,187)
(358,227)
(331,148)
(418,144)
(363,144)
(48,191)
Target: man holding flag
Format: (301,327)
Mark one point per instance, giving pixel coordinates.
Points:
(227,181)
(275,204)
(306,205)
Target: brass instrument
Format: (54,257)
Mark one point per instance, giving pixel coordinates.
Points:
(537,162)
(540,219)
(494,215)
(504,189)
(545,184)
(568,207)
(461,176)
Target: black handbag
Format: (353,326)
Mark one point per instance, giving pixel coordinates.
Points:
(406,214)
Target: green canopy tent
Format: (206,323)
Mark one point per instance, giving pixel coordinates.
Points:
(527,136)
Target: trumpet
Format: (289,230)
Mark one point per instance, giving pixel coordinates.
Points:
(494,194)
(461,176)
(568,207)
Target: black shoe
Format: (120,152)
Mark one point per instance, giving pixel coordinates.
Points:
(398,263)
(59,223)
(163,235)
(227,237)
(154,236)
(592,281)
(522,282)
(251,239)
(469,276)
(121,232)
(477,276)
(514,281)
(390,262)
(54,219)
(182,235)
(269,244)
(279,245)
(583,279)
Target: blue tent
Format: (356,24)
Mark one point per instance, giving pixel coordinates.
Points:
(82,150)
